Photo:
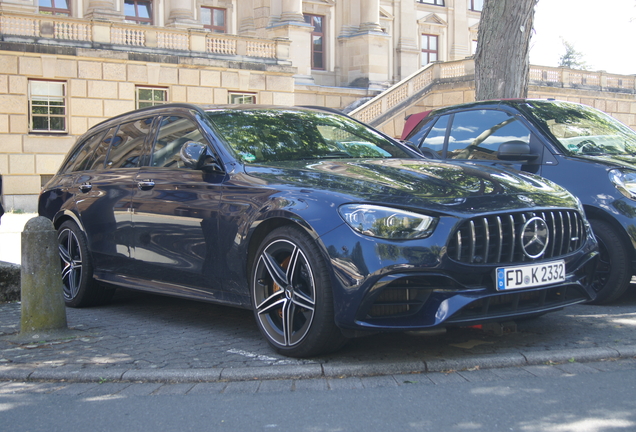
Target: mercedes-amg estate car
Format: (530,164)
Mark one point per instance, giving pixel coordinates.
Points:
(322,226)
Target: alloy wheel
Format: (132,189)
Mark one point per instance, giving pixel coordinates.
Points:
(284,293)
(71,260)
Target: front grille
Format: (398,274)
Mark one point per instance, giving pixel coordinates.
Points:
(496,239)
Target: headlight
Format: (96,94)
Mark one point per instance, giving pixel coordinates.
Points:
(388,223)
(625,182)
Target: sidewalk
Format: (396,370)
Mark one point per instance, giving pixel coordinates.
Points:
(142,337)
(11,225)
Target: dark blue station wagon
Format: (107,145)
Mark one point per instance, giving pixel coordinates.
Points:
(322,226)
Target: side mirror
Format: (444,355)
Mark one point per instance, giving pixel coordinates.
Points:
(516,151)
(196,155)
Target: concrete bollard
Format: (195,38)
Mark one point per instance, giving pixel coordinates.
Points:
(43,308)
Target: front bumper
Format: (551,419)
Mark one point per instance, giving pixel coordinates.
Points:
(404,293)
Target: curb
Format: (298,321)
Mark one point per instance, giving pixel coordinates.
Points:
(314,371)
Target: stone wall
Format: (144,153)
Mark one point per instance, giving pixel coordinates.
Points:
(99,85)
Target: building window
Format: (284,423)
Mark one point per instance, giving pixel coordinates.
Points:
(317,41)
(242,98)
(213,19)
(432,2)
(47,106)
(476,5)
(429,49)
(148,96)
(55,7)
(138,11)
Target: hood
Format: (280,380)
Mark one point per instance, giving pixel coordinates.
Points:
(613,161)
(413,183)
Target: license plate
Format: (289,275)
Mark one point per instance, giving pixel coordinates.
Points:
(509,278)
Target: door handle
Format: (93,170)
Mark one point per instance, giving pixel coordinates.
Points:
(85,187)
(145,184)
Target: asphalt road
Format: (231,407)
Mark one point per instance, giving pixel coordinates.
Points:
(592,397)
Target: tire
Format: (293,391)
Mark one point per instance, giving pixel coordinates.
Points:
(292,296)
(613,272)
(80,289)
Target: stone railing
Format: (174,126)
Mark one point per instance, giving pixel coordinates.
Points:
(138,36)
(574,78)
(411,88)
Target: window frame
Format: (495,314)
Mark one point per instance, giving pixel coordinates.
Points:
(211,26)
(471,5)
(152,102)
(53,10)
(427,51)
(242,95)
(136,18)
(309,19)
(48,116)
(433,2)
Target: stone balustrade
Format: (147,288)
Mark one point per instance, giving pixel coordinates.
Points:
(131,36)
(406,91)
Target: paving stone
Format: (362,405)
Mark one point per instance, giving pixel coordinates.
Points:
(379,381)
(310,384)
(242,387)
(140,389)
(273,386)
(480,375)
(446,378)
(512,373)
(544,371)
(349,383)
(410,379)
(576,368)
(174,389)
(106,389)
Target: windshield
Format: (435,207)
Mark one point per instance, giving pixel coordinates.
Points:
(273,135)
(584,130)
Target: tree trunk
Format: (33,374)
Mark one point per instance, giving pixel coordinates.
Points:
(502,61)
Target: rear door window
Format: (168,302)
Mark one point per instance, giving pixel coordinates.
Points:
(174,131)
(83,153)
(127,146)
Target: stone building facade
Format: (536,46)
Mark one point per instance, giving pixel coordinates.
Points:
(66,65)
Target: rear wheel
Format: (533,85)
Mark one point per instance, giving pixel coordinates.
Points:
(80,289)
(613,272)
(292,297)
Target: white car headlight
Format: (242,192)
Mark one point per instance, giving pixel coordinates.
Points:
(625,181)
(386,222)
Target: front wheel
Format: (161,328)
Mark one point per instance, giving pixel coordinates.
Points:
(613,272)
(80,289)
(292,296)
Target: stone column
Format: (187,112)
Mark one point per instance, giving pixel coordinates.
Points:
(406,32)
(182,14)
(459,42)
(292,11)
(245,18)
(103,10)
(292,27)
(370,16)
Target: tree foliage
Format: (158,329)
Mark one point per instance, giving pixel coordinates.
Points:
(502,60)
(572,58)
